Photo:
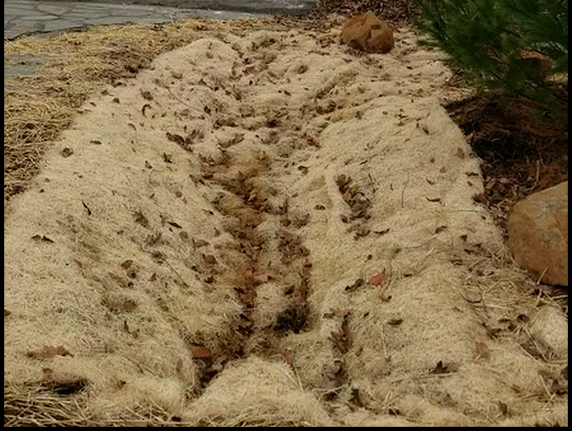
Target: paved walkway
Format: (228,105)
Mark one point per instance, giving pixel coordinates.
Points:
(29,16)
(44,17)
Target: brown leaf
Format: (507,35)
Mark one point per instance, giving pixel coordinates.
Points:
(126,264)
(7,313)
(153,277)
(440,368)
(356,399)
(129,305)
(209,259)
(42,238)
(483,351)
(146,95)
(381,232)
(173,137)
(460,153)
(377,279)
(480,198)
(141,219)
(559,386)
(144,108)
(201,352)
(433,199)
(66,152)
(395,321)
(86,208)
(95,142)
(197,243)
(358,283)
(48,352)
(288,357)
(177,225)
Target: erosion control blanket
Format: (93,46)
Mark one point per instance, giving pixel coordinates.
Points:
(272,230)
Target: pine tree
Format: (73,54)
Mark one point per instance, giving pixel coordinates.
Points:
(509,46)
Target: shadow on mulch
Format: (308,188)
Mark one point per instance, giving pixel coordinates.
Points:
(521,152)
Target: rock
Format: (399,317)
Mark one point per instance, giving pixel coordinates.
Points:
(538,234)
(368,33)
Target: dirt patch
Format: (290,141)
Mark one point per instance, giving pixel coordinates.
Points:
(521,152)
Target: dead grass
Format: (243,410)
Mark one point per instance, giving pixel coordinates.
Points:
(39,107)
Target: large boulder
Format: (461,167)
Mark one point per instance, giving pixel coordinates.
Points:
(368,33)
(538,234)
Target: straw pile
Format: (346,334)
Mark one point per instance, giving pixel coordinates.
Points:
(267,228)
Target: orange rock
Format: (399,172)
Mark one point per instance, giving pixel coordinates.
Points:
(368,33)
(538,234)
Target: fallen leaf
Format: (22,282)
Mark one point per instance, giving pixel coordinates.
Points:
(201,352)
(197,243)
(66,152)
(460,153)
(95,142)
(483,351)
(395,321)
(146,95)
(480,198)
(559,387)
(433,199)
(209,259)
(86,208)
(355,399)
(173,137)
(144,108)
(358,283)
(381,232)
(126,264)
(48,352)
(177,225)
(377,279)
(129,305)
(288,357)
(42,238)
(440,368)
(503,408)
(153,277)
(7,313)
